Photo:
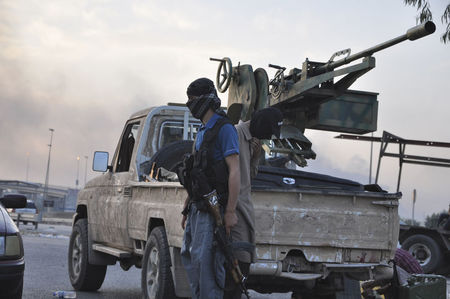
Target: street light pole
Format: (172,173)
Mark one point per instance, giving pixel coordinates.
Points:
(41,204)
(85,169)
(78,172)
(370,164)
(413,205)
(28,166)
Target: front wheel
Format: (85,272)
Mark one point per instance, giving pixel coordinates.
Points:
(425,250)
(83,276)
(156,278)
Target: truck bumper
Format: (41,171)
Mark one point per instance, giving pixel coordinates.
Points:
(274,268)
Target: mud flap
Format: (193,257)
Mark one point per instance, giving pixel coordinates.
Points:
(179,275)
(352,289)
(99,258)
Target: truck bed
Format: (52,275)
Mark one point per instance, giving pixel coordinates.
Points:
(326,218)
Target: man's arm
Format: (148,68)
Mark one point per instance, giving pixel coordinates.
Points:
(255,151)
(234,183)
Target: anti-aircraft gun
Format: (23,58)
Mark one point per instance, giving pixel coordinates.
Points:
(309,97)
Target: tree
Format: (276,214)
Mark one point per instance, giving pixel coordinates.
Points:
(425,15)
(431,221)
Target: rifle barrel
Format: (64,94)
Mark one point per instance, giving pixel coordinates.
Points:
(413,33)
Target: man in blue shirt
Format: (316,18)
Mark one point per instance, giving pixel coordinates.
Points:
(203,262)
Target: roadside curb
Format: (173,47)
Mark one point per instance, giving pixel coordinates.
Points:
(58,221)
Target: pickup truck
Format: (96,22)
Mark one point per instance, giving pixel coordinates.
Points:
(26,215)
(313,232)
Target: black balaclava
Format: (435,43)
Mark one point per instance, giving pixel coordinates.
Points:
(266,122)
(202,95)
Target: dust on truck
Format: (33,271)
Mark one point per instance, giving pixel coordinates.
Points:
(313,231)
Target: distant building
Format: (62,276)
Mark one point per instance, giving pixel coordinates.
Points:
(59,199)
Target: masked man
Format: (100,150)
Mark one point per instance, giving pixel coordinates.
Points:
(216,161)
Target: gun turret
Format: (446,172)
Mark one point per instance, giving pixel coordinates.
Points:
(308,96)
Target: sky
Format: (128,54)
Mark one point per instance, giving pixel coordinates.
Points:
(83,67)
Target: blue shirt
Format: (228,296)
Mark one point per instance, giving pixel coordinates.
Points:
(227,141)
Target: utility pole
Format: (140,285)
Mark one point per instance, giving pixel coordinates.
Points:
(41,205)
(78,172)
(28,166)
(85,169)
(370,164)
(414,203)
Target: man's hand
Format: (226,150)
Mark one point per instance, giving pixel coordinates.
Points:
(230,220)
(183,222)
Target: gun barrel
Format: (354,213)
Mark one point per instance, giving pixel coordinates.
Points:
(413,33)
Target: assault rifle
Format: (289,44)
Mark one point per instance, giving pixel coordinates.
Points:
(224,242)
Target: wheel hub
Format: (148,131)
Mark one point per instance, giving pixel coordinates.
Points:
(421,253)
(77,255)
(153,272)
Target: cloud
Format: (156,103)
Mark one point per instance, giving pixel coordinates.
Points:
(83,67)
(167,16)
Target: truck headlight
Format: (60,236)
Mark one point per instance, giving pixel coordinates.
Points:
(11,246)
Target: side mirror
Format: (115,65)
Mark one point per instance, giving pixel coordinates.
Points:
(14,201)
(100,162)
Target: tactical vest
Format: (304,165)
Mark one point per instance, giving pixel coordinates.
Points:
(216,170)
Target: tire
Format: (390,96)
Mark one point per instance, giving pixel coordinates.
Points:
(18,294)
(171,155)
(156,277)
(425,250)
(83,276)
(11,289)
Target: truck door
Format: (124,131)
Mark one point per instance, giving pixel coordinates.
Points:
(110,225)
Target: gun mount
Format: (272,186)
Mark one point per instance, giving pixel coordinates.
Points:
(308,96)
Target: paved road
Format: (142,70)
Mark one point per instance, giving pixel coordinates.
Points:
(46,268)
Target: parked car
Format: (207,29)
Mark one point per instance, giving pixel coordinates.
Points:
(12,263)
(28,214)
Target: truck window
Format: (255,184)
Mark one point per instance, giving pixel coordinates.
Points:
(173,131)
(126,147)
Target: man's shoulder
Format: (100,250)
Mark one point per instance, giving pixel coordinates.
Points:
(227,132)
(243,129)
(225,124)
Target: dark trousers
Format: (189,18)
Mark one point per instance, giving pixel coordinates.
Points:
(232,290)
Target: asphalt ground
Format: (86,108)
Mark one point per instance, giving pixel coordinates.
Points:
(46,267)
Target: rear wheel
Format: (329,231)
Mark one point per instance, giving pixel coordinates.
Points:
(83,276)
(156,277)
(425,250)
